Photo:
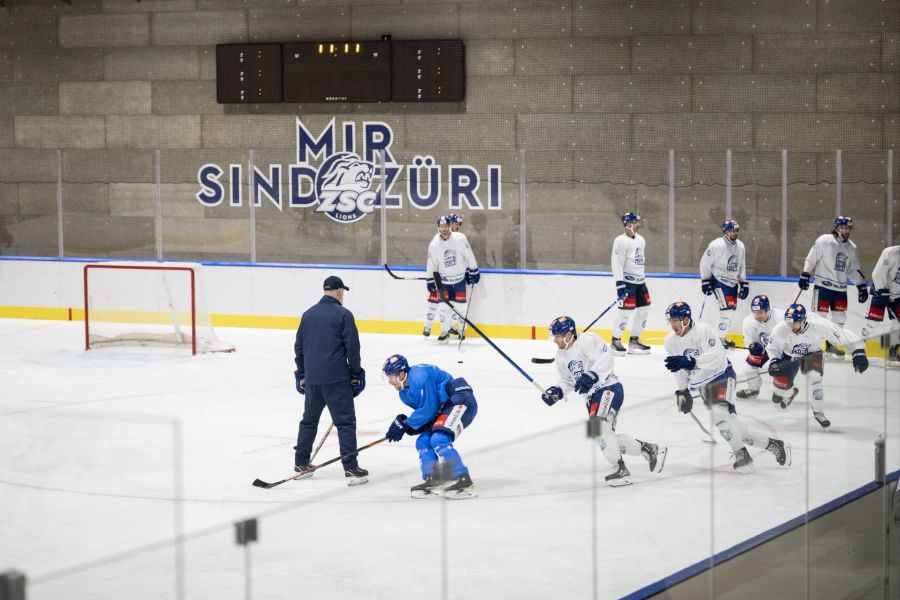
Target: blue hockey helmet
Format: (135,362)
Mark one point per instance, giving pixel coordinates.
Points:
(630,217)
(730,225)
(395,364)
(454,218)
(562,325)
(796,313)
(760,302)
(443,220)
(678,310)
(843,222)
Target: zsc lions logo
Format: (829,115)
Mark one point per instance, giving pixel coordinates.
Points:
(576,368)
(638,256)
(732,263)
(840,262)
(342,187)
(800,349)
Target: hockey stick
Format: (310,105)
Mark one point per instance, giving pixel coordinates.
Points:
(319,447)
(546,361)
(395,276)
(262,484)
(711,439)
(462,332)
(446,300)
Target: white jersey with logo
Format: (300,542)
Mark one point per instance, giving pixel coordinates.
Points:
(761,333)
(724,261)
(587,353)
(886,275)
(450,257)
(701,342)
(816,332)
(628,254)
(832,262)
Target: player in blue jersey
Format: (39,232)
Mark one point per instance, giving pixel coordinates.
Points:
(443,406)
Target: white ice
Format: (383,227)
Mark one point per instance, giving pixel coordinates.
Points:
(89,501)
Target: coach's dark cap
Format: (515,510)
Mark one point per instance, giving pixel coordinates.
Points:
(334,283)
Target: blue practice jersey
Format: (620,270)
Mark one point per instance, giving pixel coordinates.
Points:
(425,394)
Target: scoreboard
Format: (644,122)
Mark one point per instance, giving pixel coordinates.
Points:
(248,73)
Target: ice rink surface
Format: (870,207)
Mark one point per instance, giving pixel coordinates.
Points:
(90,500)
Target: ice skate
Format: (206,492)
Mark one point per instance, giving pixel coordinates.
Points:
(636,347)
(748,394)
(426,333)
(445,335)
(781,450)
(655,456)
(429,488)
(306,471)
(742,461)
(727,344)
(620,477)
(618,348)
(833,352)
(460,489)
(893,360)
(822,420)
(785,401)
(356,475)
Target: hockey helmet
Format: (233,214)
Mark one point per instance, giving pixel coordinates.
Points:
(760,302)
(454,218)
(562,325)
(678,310)
(395,364)
(443,220)
(630,217)
(730,225)
(796,313)
(843,222)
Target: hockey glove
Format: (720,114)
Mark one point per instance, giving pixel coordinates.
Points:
(620,292)
(358,382)
(776,367)
(586,381)
(677,363)
(300,382)
(473,276)
(757,357)
(552,395)
(684,400)
(743,290)
(804,281)
(432,288)
(707,287)
(397,429)
(883,294)
(860,361)
(862,291)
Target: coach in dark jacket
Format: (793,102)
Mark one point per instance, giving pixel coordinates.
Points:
(328,373)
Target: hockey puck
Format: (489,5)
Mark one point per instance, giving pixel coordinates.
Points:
(459,361)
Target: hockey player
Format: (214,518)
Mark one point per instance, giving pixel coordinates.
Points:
(456,222)
(796,345)
(724,274)
(450,255)
(442,408)
(832,260)
(631,290)
(698,360)
(585,365)
(886,280)
(758,326)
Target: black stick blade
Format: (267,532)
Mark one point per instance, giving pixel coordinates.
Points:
(262,484)
(542,361)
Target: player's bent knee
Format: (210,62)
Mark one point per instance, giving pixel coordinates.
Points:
(782,382)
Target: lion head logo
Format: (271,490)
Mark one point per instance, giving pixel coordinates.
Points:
(342,186)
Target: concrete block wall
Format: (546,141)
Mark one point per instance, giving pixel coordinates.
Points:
(586,97)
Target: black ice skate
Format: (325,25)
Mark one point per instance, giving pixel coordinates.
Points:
(785,401)
(305,472)
(618,348)
(822,420)
(748,394)
(621,476)
(445,335)
(781,450)
(357,476)
(426,332)
(460,489)
(893,357)
(742,461)
(728,344)
(834,352)
(427,489)
(636,347)
(655,456)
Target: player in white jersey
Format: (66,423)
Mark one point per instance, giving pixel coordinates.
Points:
(758,326)
(723,272)
(832,260)
(585,365)
(450,255)
(886,298)
(796,345)
(632,296)
(699,362)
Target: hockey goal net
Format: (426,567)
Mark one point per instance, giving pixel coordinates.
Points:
(139,304)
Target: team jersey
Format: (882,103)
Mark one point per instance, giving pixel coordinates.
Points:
(886,275)
(628,258)
(761,333)
(810,339)
(450,257)
(724,261)
(425,393)
(587,353)
(832,262)
(701,342)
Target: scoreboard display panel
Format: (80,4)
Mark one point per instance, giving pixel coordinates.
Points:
(342,71)
(428,71)
(248,73)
